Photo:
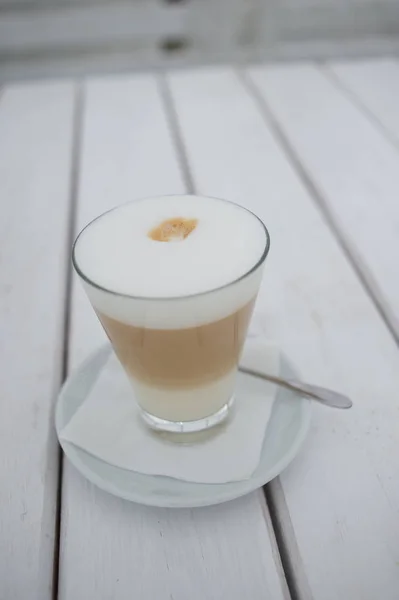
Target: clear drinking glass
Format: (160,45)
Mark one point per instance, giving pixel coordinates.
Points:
(180,353)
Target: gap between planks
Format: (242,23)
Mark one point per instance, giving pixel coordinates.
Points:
(290,555)
(173,122)
(279,552)
(328,72)
(74,186)
(283,529)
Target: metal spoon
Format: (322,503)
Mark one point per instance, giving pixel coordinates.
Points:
(323,395)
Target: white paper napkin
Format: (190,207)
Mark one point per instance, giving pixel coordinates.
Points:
(108,426)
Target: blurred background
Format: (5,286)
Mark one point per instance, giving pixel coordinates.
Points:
(47,38)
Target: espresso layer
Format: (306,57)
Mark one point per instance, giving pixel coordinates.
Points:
(180,358)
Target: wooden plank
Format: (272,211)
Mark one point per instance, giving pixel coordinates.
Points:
(341,492)
(375,85)
(83,26)
(46,38)
(354,168)
(334,21)
(127,56)
(111,548)
(233,25)
(35,157)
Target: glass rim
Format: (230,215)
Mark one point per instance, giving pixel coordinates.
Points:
(166,298)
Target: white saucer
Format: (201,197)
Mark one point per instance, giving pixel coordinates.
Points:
(286,430)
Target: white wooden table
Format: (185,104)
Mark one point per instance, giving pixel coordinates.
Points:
(315,151)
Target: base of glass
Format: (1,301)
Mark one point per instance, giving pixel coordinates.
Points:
(187,426)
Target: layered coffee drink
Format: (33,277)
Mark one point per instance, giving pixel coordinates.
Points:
(173,281)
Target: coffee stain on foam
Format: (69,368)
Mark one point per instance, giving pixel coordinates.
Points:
(173,230)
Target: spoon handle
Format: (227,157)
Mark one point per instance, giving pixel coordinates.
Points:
(323,395)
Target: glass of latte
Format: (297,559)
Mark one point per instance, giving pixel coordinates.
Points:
(173,281)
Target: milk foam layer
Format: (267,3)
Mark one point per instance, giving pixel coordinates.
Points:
(163,284)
